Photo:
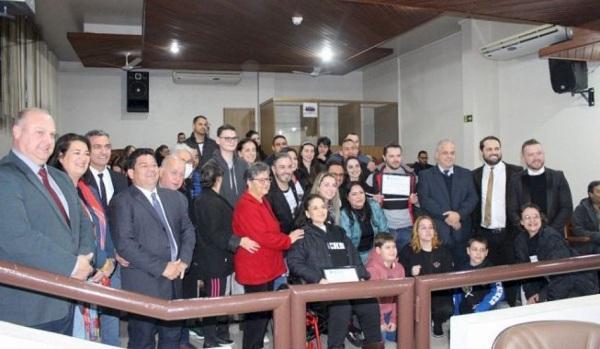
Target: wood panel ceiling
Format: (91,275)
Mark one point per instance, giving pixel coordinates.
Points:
(258,34)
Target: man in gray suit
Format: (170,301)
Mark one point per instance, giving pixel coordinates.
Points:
(43,225)
(151,229)
(447,194)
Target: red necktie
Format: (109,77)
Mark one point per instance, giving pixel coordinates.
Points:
(42,172)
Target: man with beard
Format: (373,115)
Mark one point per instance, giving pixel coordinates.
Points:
(540,185)
(200,140)
(282,196)
(398,209)
(490,214)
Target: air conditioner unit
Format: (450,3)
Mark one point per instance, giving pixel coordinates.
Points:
(526,43)
(207,77)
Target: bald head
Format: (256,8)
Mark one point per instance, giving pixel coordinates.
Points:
(171,173)
(445,154)
(33,134)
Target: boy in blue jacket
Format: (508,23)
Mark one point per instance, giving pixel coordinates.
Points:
(478,298)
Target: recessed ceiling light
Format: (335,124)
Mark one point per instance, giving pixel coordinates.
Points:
(326,54)
(297,19)
(174,48)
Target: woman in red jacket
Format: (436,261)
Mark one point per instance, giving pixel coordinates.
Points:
(253,218)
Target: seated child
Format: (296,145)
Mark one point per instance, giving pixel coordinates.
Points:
(478,298)
(382,264)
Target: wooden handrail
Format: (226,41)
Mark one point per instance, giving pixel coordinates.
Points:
(433,282)
(65,287)
(303,294)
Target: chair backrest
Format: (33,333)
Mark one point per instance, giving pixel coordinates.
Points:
(550,335)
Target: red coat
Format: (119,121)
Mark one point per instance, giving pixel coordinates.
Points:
(256,220)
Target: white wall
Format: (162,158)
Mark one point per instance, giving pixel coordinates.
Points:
(431,97)
(94,98)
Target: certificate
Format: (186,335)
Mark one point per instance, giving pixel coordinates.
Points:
(395,184)
(348,274)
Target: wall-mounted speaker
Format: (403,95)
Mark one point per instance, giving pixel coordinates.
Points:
(568,76)
(138,91)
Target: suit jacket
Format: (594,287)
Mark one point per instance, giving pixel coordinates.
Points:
(434,199)
(140,238)
(35,234)
(118,180)
(281,208)
(558,195)
(477,176)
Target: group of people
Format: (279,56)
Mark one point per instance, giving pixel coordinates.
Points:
(219,215)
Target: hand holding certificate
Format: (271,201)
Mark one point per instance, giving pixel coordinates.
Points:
(395,184)
(341,275)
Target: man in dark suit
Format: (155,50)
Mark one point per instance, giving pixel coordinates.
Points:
(43,225)
(447,194)
(151,229)
(543,186)
(200,140)
(490,216)
(99,176)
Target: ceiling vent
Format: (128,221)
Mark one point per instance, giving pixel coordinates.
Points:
(207,77)
(526,43)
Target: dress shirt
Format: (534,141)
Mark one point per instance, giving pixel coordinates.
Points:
(107,179)
(498,196)
(536,172)
(450,170)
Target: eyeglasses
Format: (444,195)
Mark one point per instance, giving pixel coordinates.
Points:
(229,139)
(262,180)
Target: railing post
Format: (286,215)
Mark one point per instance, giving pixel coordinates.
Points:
(405,325)
(282,322)
(297,319)
(422,313)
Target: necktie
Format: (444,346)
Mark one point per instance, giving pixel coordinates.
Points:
(42,172)
(103,190)
(487,217)
(447,173)
(158,208)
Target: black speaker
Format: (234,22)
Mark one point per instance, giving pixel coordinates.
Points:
(138,91)
(568,76)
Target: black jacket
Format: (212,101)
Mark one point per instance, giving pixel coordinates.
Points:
(118,180)
(585,221)
(208,148)
(308,257)
(215,241)
(477,176)
(239,167)
(552,245)
(558,195)
(281,209)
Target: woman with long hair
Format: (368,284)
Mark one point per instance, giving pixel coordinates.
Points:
(323,149)
(72,155)
(326,246)
(424,255)
(325,186)
(247,149)
(308,165)
(362,219)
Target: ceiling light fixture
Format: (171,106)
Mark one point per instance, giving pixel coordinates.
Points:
(297,19)
(326,54)
(174,48)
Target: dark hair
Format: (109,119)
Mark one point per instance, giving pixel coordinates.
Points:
(310,199)
(254,169)
(224,127)
(381,238)
(333,162)
(391,145)
(96,133)
(592,185)
(199,117)
(529,142)
(277,137)
(251,133)
(209,173)
(243,142)
(127,148)
(536,207)
(352,134)
(282,154)
(362,176)
(325,141)
(365,213)
(290,149)
(488,138)
(314,160)
(132,159)
(478,238)
(157,154)
(63,143)
(180,134)
(421,152)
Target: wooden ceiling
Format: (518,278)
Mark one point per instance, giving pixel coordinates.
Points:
(258,34)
